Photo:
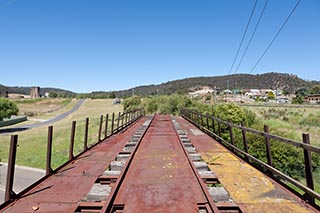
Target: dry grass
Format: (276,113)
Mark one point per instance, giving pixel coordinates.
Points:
(292,121)
(40,106)
(33,143)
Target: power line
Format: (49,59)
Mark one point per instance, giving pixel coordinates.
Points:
(243,36)
(274,38)
(254,32)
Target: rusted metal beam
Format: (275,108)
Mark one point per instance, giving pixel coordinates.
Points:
(10,194)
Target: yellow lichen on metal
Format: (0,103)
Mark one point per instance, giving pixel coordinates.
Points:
(248,186)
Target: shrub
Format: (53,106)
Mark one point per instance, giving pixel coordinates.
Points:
(7,108)
(131,103)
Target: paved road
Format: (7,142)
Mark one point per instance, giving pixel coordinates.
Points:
(47,122)
(24,177)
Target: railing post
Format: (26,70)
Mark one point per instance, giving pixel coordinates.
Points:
(197,117)
(126,118)
(100,128)
(219,127)
(122,120)
(106,127)
(244,139)
(308,168)
(207,121)
(112,123)
(73,131)
(10,194)
(49,151)
(213,125)
(202,122)
(118,122)
(268,150)
(231,134)
(86,130)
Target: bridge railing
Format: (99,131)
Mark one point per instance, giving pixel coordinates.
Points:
(118,123)
(238,143)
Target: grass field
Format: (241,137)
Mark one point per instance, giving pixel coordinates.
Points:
(33,143)
(293,121)
(41,106)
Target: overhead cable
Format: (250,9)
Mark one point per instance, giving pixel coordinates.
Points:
(243,36)
(254,32)
(274,38)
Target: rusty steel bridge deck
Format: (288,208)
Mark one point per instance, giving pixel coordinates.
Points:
(160,164)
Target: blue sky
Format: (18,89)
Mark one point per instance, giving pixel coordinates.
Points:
(94,45)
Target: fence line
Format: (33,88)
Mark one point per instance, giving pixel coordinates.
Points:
(197,119)
(126,118)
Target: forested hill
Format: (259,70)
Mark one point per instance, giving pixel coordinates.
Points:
(281,81)
(286,82)
(26,90)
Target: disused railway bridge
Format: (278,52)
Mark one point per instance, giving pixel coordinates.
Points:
(159,164)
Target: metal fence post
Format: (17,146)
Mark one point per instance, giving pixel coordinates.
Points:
(126,118)
(122,120)
(207,121)
(244,139)
(231,134)
(112,123)
(49,151)
(10,194)
(118,122)
(106,127)
(268,150)
(308,168)
(219,127)
(202,122)
(213,125)
(86,130)
(100,128)
(73,131)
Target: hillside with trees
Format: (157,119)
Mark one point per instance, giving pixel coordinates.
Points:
(26,90)
(286,82)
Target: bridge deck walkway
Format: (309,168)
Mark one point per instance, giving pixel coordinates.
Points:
(62,191)
(248,187)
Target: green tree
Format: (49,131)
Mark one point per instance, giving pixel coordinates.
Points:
(53,95)
(112,95)
(131,103)
(7,108)
(315,90)
(286,92)
(270,95)
(297,100)
(301,92)
(230,112)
